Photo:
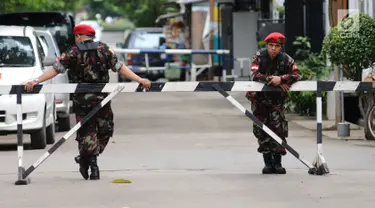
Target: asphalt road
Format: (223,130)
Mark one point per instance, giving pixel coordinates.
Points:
(190,150)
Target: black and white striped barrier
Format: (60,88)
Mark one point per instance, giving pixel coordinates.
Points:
(272,134)
(21,170)
(318,167)
(319,162)
(22,177)
(233,86)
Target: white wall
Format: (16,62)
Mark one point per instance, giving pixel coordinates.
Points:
(245,43)
(365,6)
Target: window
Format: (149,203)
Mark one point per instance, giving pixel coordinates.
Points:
(40,49)
(45,45)
(146,40)
(43,39)
(16,52)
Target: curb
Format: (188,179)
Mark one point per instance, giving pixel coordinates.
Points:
(332,134)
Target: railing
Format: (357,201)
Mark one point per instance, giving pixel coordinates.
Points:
(195,70)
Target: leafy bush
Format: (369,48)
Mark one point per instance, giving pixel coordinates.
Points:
(312,67)
(351,47)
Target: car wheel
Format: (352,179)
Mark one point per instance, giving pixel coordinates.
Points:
(50,131)
(64,123)
(38,137)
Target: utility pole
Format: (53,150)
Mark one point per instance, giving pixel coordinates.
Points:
(334,6)
(212,20)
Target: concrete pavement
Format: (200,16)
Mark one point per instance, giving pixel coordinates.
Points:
(190,150)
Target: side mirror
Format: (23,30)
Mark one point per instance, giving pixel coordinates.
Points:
(48,61)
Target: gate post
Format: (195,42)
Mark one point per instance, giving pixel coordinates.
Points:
(21,169)
(319,162)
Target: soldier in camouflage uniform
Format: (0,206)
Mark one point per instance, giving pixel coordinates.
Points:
(272,67)
(88,62)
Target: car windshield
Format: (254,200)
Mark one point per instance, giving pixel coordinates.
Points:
(16,52)
(146,40)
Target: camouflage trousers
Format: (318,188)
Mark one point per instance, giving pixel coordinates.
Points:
(94,135)
(271,115)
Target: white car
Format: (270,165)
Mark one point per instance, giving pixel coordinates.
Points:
(21,59)
(94,24)
(62,99)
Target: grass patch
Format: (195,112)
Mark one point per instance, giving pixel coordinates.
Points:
(119,25)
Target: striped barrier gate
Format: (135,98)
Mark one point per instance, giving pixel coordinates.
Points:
(193,68)
(318,167)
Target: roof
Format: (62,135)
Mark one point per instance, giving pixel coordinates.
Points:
(13,30)
(189,1)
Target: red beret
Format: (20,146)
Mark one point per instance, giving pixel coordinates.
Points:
(83,29)
(275,37)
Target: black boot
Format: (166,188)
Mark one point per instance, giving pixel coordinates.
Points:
(277,165)
(268,163)
(95,174)
(77,159)
(83,165)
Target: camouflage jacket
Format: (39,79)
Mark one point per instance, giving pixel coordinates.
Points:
(262,68)
(88,62)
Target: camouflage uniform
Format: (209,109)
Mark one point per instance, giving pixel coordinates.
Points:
(89,62)
(268,107)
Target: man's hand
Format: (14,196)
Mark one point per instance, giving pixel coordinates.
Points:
(284,87)
(145,83)
(30,85)
(275,81)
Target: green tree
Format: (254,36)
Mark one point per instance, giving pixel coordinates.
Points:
(143,13)
(7,6)
(350,46)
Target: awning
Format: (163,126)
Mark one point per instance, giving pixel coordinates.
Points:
(166,16)
(170,15)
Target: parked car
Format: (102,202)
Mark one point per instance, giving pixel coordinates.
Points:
(94,24)
(22,58)
(143,38)
(62,99)
(60,24)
